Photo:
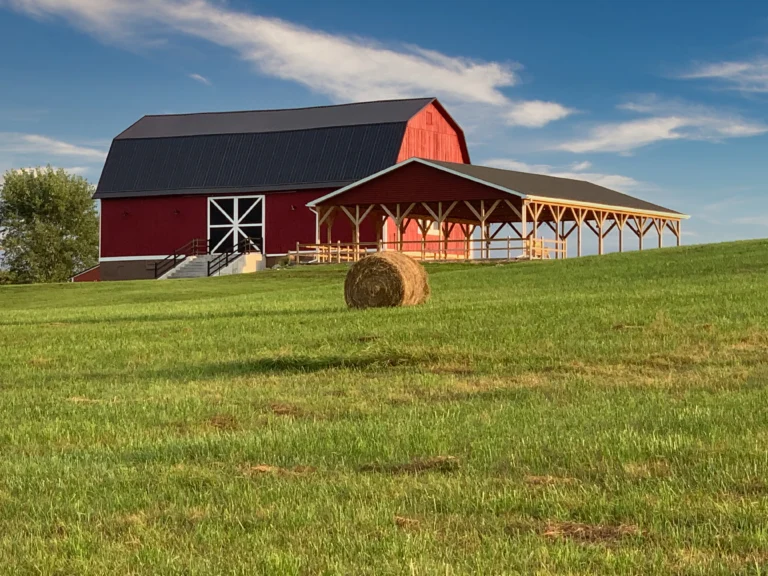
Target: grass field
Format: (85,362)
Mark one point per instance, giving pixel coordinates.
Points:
(595,415)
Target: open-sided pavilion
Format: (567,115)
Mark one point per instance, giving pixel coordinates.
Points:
(448,202)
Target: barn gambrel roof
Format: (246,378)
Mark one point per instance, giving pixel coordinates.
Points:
(251,151)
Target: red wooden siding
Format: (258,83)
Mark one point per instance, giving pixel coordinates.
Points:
(430,134)
(416,182)
(412,234)
(157,226)
(288,221)
(154,226)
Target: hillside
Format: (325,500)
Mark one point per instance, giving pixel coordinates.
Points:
(594,415)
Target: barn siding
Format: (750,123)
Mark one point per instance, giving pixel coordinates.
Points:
(154,226)
(157,226)
(412,233)
(416,180)
(430,135)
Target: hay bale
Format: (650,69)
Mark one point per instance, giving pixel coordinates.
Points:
(386,279)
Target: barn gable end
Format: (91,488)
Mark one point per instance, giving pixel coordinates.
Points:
(433,134)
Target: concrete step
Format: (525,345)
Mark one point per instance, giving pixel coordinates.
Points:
(194,267)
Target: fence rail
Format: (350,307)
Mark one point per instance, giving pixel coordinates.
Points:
(433,250)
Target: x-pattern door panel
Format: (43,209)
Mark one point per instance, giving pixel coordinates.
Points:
(235,220)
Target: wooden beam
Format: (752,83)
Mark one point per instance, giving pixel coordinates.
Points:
(674,226)
(610,228)
(513,208)
(570,231)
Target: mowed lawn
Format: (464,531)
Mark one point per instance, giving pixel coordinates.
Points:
(594,415)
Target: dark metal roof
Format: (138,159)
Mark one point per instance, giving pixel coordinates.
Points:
(552,187)
(271,161)
(263,150)
(260,121)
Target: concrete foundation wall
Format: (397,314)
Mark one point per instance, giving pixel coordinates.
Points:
(128,270)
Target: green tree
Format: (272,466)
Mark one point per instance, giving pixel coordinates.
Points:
(49,228)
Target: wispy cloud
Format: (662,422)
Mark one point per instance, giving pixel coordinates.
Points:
(581,166)
(535,113)
(613,181)
(200,78)
(342,67)
(43,146)
(752,220)
(744,76)
(665,120)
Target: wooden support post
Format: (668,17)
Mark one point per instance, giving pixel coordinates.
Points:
(562,239)
(674,226)
(599,217)
(482,217)
(524,229)
(468,230)
(599,222)
(399,224)
(319,227)
(557,216)
(580,215)
(398,217)
(640,223)
(621,220)
(659,223)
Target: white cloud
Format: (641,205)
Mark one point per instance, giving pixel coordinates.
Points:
(613,181)
(342,67)
(581,166)
(668,120)
(535,113)
(200,78)
(44,146)
(745,76)
(625,136)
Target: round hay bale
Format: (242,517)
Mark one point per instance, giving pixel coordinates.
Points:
(384,280)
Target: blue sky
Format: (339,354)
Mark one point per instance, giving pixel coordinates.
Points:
(662,100)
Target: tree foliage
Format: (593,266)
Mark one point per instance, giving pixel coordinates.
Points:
(49,225)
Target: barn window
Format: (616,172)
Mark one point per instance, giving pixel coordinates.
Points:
(429,118)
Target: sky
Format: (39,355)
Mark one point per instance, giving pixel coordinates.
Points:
(665,100)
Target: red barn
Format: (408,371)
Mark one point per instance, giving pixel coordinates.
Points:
(219,179)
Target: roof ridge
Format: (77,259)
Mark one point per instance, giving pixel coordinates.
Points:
(270,132)
(428,98)
(528,173)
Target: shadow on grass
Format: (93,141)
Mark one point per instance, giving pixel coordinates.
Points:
(254,315)
(266,366)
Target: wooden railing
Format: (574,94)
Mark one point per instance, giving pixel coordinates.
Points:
(434,250)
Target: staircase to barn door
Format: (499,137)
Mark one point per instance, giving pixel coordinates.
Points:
(192,267)
(193,261)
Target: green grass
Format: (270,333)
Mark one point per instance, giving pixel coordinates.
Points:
(602,415)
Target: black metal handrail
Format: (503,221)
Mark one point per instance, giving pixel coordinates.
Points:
(195,247)
(245,246)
